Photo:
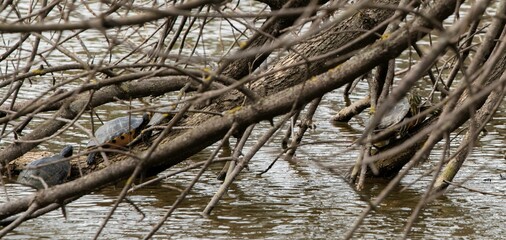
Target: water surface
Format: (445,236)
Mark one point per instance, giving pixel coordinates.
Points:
(293,200)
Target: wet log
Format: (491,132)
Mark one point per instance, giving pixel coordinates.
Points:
(210,131)
(345,114)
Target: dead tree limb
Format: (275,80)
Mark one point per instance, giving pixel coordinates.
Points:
(210,131)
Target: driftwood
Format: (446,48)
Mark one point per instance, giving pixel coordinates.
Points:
(339,36)
(313,66)
(347,113)
(213,129)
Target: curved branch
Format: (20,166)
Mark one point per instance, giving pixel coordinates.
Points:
(207,133)
(70,107)
(101,23)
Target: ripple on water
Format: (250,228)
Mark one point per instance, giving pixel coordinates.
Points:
(294,200)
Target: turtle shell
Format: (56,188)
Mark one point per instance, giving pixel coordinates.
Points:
(51,170)
(117,133)
(396,114)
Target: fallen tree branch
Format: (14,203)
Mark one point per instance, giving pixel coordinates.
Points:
(207,133)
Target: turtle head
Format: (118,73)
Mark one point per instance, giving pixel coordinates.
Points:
(67,151)
(415,101)
(146,117)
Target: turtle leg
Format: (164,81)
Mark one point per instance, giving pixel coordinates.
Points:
(146,136)
(91,158)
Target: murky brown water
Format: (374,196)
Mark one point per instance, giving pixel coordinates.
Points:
(294,200)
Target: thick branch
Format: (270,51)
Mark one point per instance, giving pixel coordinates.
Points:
(306,61)
(203,135)
(75,105)
(101,23)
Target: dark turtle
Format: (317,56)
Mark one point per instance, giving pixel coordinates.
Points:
(117,133)
(406,107)
(52,170)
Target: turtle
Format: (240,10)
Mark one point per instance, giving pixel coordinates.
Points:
(407,107)
(117,133)
(51,170)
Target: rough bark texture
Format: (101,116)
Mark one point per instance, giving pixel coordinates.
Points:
(273,27)
(340,35)
(70,107)
(453,166)
(326,41)
(213,129)
(389,167)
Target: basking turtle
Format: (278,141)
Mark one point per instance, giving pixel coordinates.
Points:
(405,108)
(51,170)
(117,133)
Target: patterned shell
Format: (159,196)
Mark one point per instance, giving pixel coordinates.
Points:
(119,131)
(51,170)
(396,114)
